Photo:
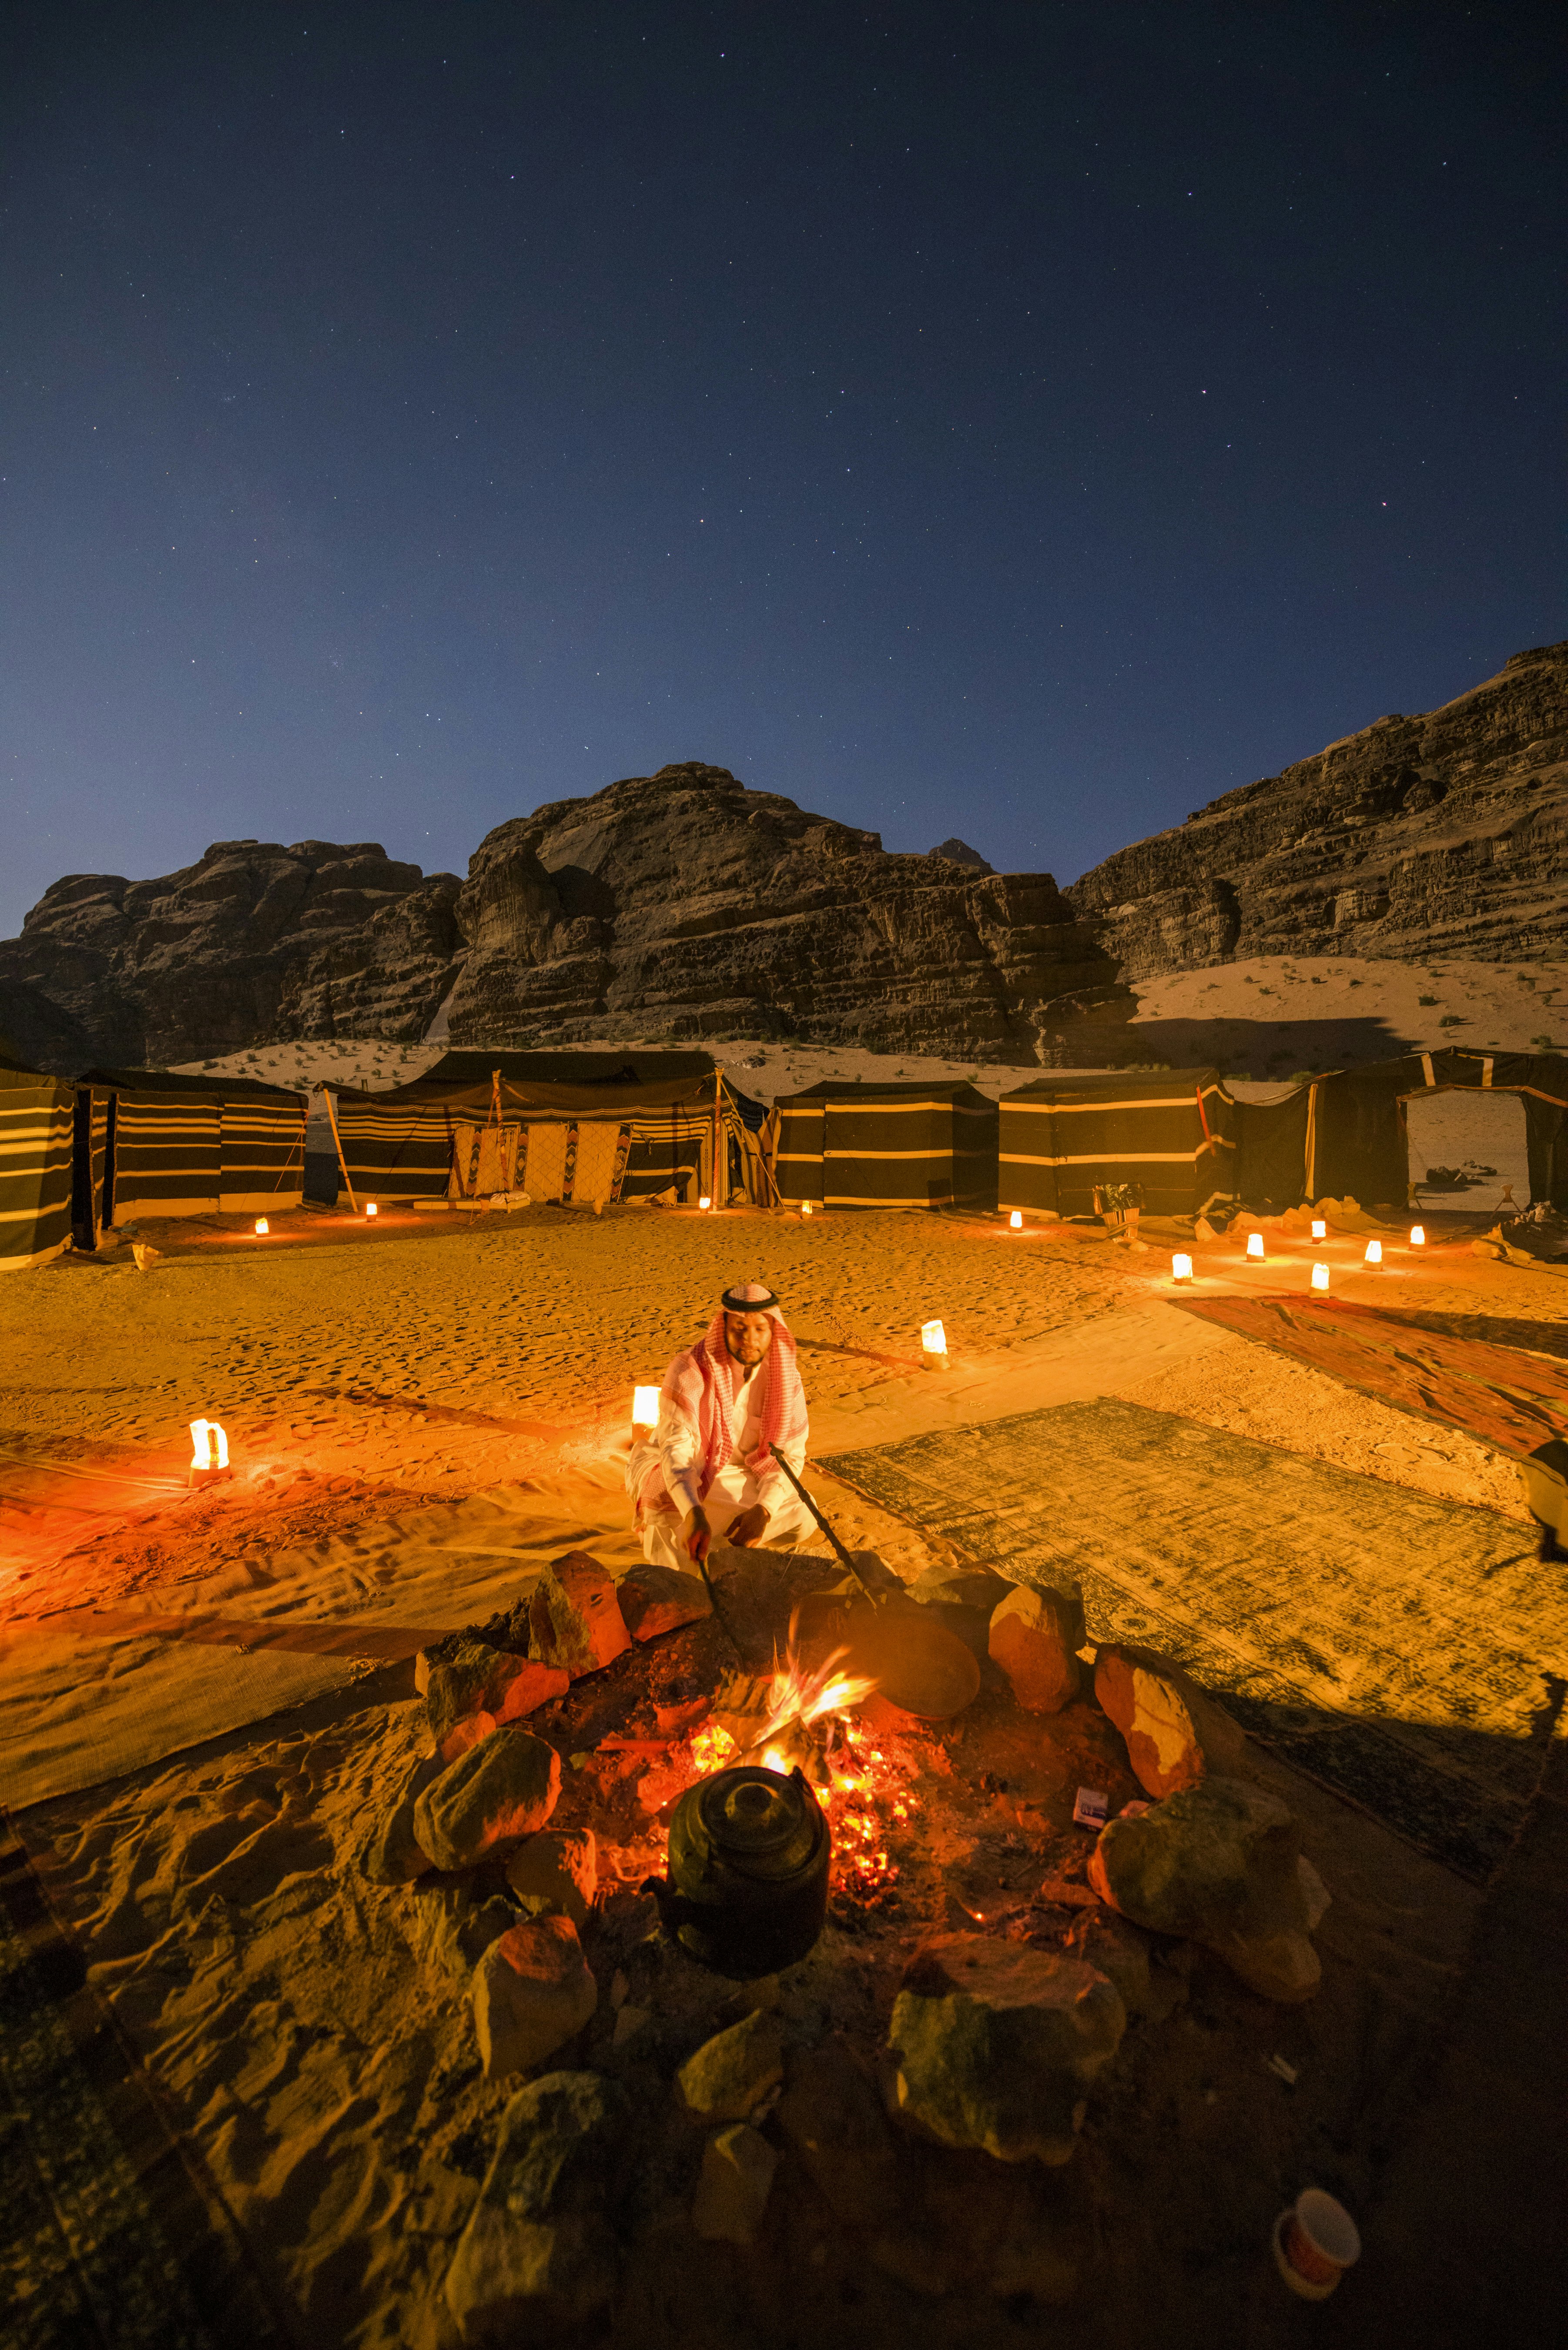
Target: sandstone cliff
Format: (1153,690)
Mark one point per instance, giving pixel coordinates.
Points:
(1442,834)
(679,904)
(204,962)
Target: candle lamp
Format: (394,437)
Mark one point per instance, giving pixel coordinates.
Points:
(934,1341)
(1417,1236)
(1255,1247)
(1373,1253)
(1015,1221)
(210,1453)
(1320,1277)
(1319,1229)
(1180,1267)
(645,1407)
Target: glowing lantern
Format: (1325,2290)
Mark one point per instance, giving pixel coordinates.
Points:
(263,1227)
(704,1203)
(210,1452)
(1374,1251)
(1319,1229)
(1180,1268)
(645,1407)
(1016,1220)
(1417,1236)
(1255,1247)
(369,1207)
(934,1339)
(806,1207)
(1320,1277)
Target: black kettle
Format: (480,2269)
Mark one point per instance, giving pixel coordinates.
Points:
(747,1888)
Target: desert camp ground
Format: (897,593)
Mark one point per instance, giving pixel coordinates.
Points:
(204,1693)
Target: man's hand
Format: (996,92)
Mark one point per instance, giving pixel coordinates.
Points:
(749,1527)
(699,1533)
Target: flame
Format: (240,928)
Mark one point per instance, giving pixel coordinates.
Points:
(802,1695)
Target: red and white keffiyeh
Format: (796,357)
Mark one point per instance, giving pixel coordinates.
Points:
(703,1385)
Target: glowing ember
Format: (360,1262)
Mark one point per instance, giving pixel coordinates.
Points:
(712,1748)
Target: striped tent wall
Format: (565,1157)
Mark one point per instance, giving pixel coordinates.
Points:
(167,1154)
(888,1147)
(673,1150)
(1171,1132)
(402,1151)
(262,1160)
(35,1124)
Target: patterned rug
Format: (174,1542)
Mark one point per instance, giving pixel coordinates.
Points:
(1406,1652)
(104,2235)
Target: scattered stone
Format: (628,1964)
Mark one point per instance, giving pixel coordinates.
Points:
(1219,1864)
(465,1676)
(738,2166)
(146,1257)
(1034,1638)
(655,1599)
(557,1871)
(573,1618)
(962,1586)
(832,2117)
(449,1930)
(502,1789)
(731,2074)
(391,1854)
(464,1734)
(532,1991)
(993,2045)
(538,2255)
(1175,1734)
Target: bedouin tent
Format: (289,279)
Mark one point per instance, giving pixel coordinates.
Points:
(1346,1132)
(559,1127)
(151,1143)
(887,1146)
(35,1166)
(1067,1135)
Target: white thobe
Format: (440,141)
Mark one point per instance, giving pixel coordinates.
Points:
(673,1446)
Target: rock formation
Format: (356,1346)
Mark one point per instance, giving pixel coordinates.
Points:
(679,904)
(252,940)
(1442,834)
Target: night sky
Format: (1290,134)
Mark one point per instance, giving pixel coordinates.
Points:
(1020,421)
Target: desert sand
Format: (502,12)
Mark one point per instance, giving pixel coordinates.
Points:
(377,1383)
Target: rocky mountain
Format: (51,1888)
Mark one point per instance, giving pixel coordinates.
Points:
(204,962)
(1442,835)
(679,904)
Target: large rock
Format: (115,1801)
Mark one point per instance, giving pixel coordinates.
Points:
(252,942)
(392,1854)
(1034,1638)
(574,1619)
(539,2254)
(555,1873)
(467,1677)
(730,2075)
(1220,1864)
(655,1599)
(994,2046)
(503,1789)
(1175,1735)
(532,1990)
(451,1926)
(1414,838)
(733,2188)
(832,2117)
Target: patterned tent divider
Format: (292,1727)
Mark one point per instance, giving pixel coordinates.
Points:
(165,1144)
(889,1145)
(1171,1132)
(559,1127)
(35,1148)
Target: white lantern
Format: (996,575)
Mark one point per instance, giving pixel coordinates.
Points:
(263,1227)
(1319,1229)
(1180,1267)
(1417,1236)
(805,1207)
(1373,1253)
(1016,1220)
(209,1454)
(933,1338)
(645,1407)
(704,1203)
(369,1207)
(1255,1247)
(1320,1277)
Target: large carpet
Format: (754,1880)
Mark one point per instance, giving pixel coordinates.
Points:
(1408,1652)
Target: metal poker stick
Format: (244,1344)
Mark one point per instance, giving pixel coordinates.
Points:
(842,1555)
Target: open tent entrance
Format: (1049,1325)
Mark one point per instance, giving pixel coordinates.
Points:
(1467,1149)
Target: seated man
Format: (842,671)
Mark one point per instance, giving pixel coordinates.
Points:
(728,1404)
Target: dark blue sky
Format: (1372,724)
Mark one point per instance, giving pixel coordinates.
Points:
(1026,421)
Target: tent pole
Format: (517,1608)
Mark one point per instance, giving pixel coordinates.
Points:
(718,1141)
(337,1138)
